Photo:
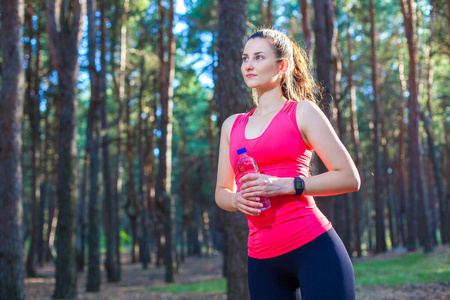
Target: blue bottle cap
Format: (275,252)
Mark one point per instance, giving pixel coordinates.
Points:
(242,150)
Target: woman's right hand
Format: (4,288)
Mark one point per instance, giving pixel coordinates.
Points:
(250,206)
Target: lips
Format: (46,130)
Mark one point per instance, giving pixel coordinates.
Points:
(250,75)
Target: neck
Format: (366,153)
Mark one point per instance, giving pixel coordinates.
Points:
(270,100)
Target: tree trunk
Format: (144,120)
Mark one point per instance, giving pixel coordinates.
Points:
(92,140)
(357,196)
(64,34)
(417,190)
(11,117)
(34,113)
(81,236)
(262,11)
(132,205)
(270,22)
(143,245)
(163,190)
(324,35)
(307,31)
(380,231)
(232,97)
(401,177)
(430,139)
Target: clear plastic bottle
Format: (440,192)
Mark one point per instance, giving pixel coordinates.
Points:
(247,164)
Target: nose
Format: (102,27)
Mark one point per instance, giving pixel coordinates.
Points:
(248,66)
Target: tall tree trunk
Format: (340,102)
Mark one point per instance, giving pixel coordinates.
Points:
(33,111)
(430,138)
(92,140)
(262,10)
(132,206)
(417,190)
(110,222)
(232,97)
(11,115)
(143,245)
(81,216)
(163,190)
(307,31)
(401,180)
(357,198)
(324,35)
(41,158)
(269,14)
(380,231)
(120,100)
(64,38)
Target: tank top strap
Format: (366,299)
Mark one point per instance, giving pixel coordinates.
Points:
(241,119)
(290,109)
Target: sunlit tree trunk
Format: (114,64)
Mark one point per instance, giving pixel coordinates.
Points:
(64,26)
(11,117)
(232,97)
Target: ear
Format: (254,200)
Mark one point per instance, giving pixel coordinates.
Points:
(283,66)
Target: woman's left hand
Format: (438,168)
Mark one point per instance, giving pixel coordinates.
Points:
(261,185)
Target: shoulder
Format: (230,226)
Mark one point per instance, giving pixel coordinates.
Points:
(308,111)
(228,124)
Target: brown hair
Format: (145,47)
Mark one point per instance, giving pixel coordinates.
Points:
(297,83)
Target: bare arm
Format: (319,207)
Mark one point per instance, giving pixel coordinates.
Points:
(226,196)
(341,177)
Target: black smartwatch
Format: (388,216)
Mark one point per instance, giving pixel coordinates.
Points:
(299,186)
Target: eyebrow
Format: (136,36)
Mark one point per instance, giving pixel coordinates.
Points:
(256,53)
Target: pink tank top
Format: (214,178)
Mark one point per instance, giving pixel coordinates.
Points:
(280,151)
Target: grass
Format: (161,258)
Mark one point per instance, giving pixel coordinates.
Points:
(209,286)
(412,268)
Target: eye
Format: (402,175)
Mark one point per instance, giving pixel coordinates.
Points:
(244,58)
(259,57)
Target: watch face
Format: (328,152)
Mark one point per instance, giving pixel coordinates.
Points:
(299,184)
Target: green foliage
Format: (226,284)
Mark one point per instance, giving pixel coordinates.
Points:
(409,269)
(209,286)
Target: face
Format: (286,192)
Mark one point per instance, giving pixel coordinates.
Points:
(260,67)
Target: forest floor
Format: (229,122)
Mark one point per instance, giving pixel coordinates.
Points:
(136,283)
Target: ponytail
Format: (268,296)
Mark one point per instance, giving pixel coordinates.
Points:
(297,83)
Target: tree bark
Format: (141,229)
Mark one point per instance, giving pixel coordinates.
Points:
(11,117)
(380,231)
(232,97)
(64,38)
(401,184)
(357,196)
(163,190)
(417,189)
(324,35)
(92,140)
(307,31)
(32,100)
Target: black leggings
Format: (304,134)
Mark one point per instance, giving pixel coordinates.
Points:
(322,269)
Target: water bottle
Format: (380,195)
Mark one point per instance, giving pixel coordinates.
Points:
(247,164)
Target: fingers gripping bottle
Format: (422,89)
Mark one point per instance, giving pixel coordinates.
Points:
(247,164)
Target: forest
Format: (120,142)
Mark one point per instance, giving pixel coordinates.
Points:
(110,116)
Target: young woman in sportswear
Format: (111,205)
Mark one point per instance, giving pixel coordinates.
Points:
(291,244)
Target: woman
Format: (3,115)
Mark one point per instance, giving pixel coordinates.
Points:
(291,244)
